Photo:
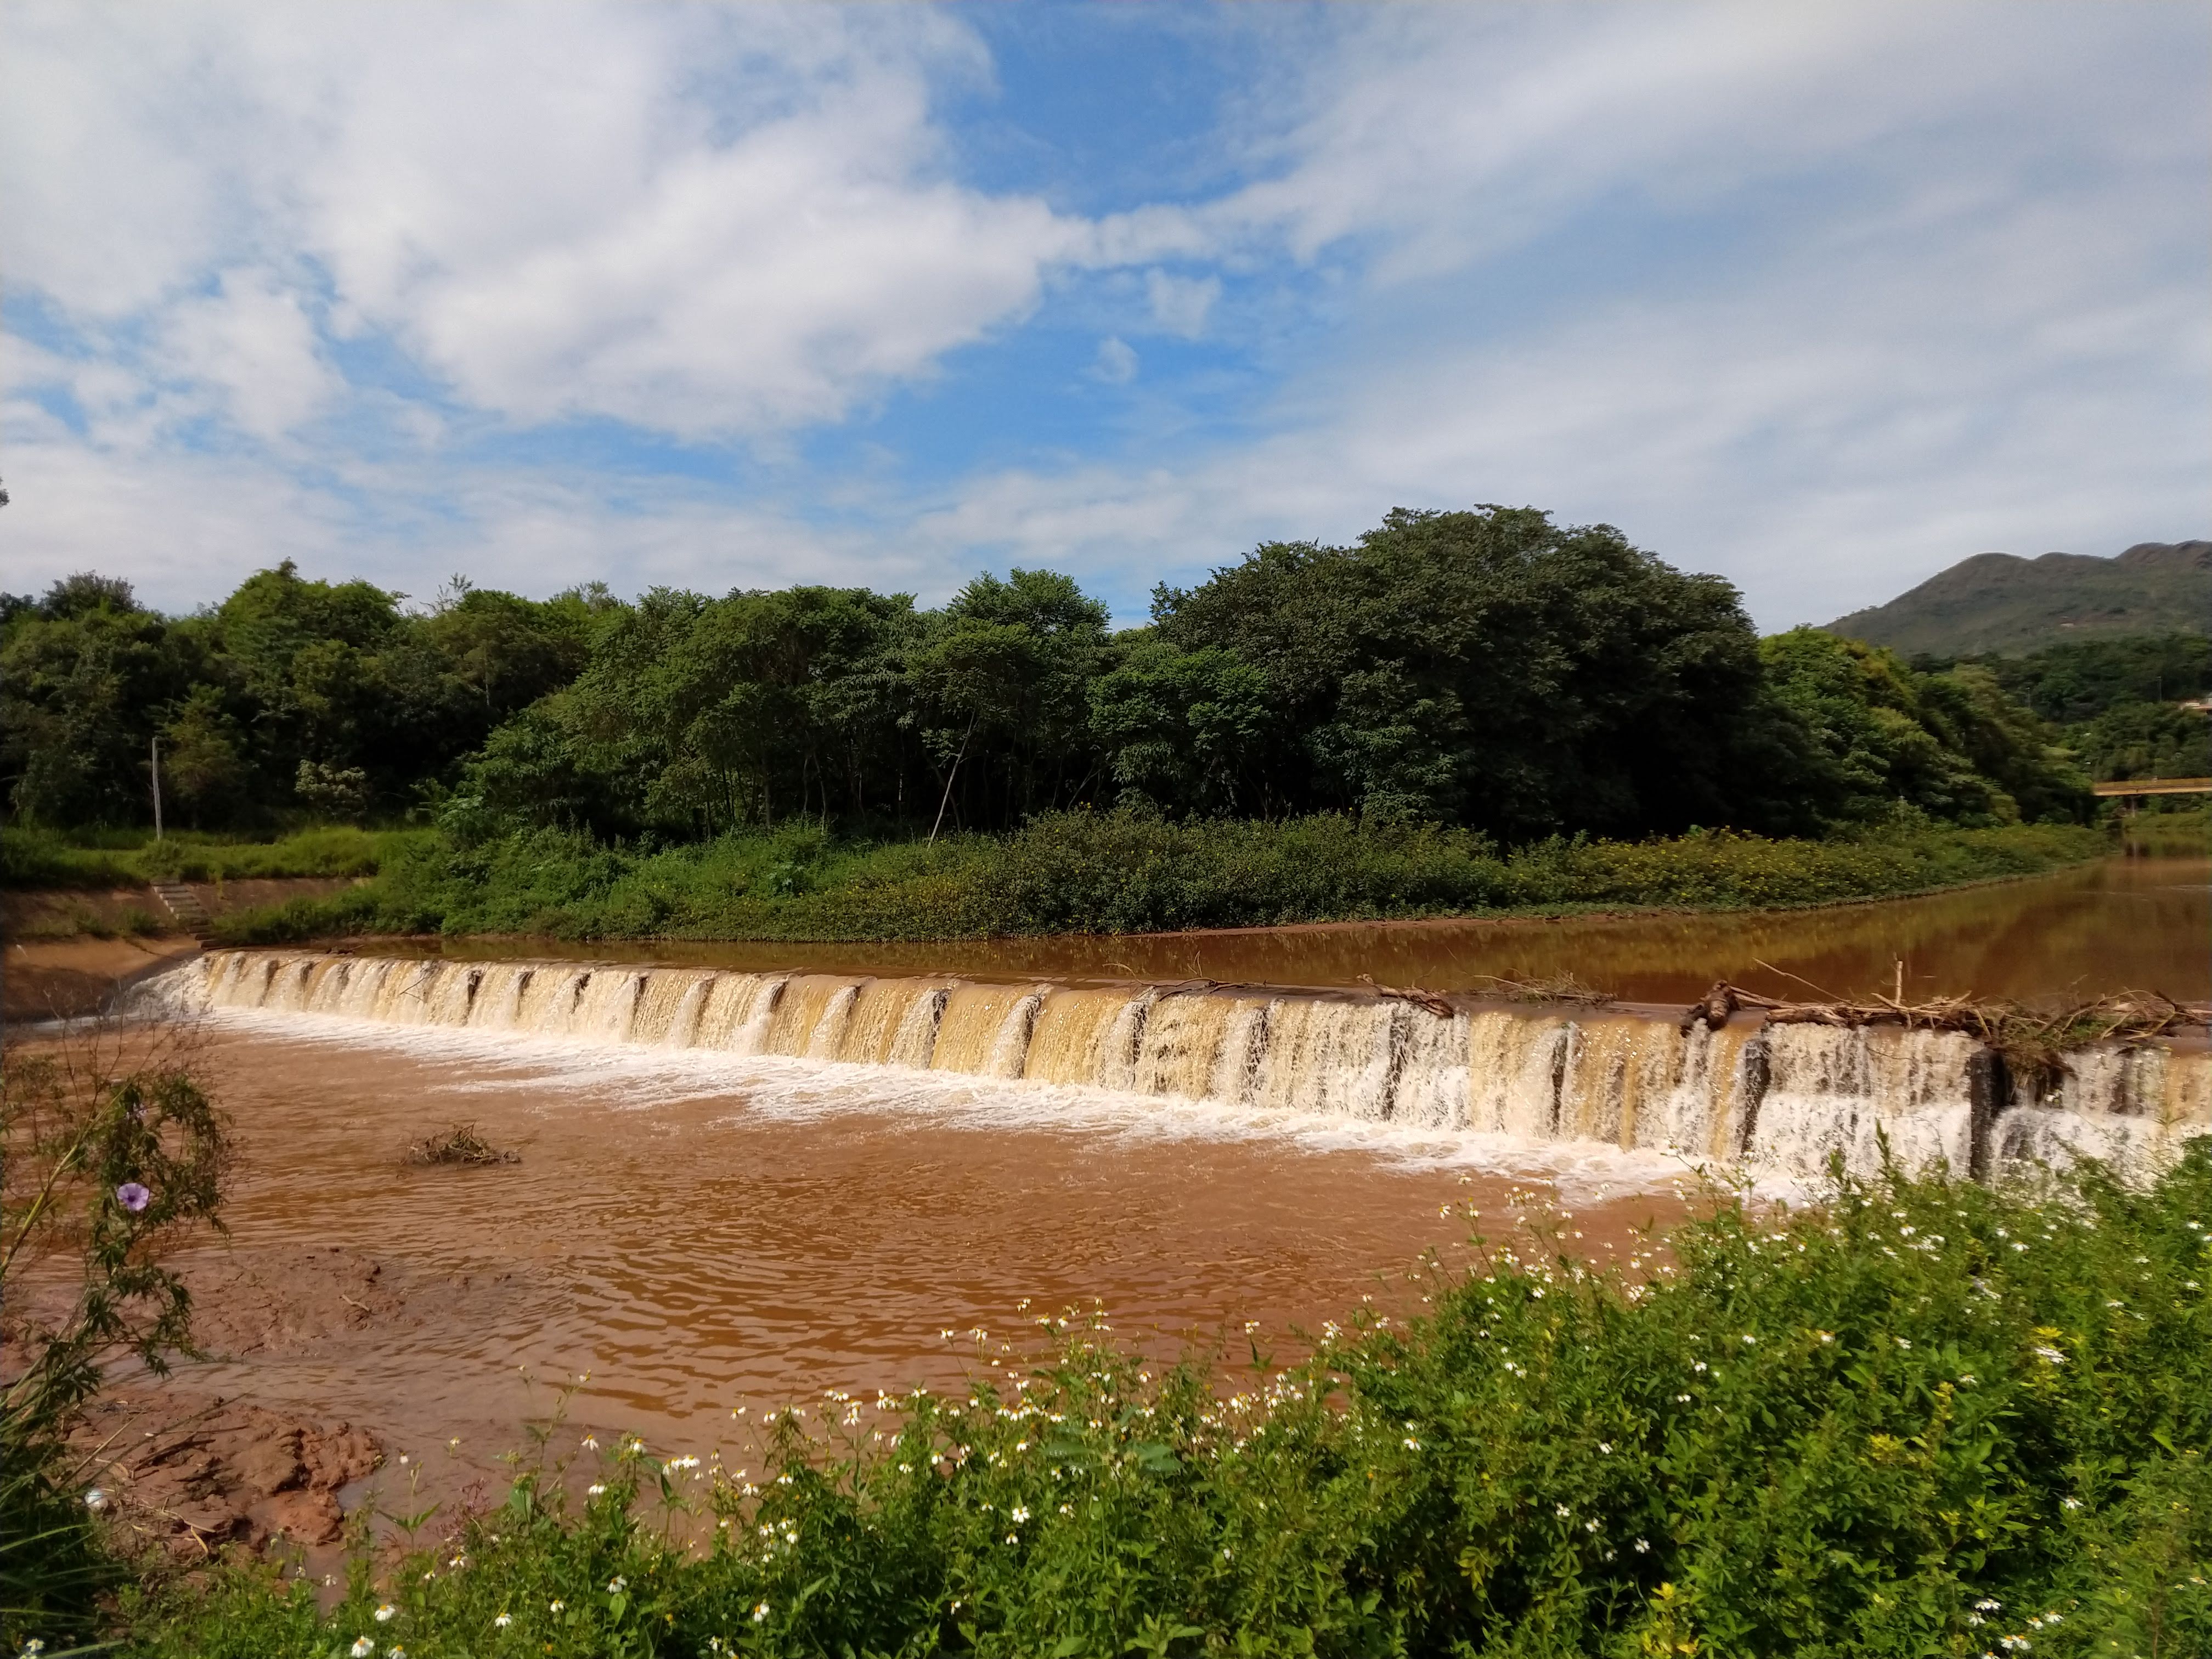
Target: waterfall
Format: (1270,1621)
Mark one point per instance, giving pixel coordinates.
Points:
(1778,1096)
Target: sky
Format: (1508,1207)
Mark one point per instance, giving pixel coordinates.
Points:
(1821,298)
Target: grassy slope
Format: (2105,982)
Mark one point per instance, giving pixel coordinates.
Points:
(1926,1418)
(43,859)
(1114,873)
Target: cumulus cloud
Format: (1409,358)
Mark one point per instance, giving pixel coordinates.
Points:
(706,223)
(1822,298)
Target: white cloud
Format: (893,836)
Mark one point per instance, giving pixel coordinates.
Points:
(1823,298)
(705,223)
(1180,304)
(1116,363)
(253,344)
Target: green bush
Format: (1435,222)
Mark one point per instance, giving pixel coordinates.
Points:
(1921,1418)
(1117,872)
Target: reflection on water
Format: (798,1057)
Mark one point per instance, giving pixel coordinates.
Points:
(2140,924)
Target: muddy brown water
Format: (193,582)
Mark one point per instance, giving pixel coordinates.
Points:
(695,1247)
(2121,923)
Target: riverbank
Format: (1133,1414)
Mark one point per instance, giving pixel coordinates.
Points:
(1923,1417)
(1120,874)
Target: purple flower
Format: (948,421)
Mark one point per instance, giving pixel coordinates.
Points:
(133,1197)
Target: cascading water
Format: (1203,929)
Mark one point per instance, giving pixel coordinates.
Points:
(1781,1096)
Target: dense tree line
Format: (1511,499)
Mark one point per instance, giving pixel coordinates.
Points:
(1488,669)
(2117,701)
(291,697)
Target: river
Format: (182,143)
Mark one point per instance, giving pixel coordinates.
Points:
(699,1227)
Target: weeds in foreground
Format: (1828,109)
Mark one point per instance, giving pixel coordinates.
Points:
(103,1166)
(1922,1418)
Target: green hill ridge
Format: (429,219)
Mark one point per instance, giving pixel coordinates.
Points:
(1999,602)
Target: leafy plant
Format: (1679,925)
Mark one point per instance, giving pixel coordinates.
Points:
(106,1167)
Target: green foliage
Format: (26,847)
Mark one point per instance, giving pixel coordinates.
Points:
(100,1172)
(2078,681)
(1951,745)
(1919,1417)
(1491,669)
(1124,872)
(1488,670)
(287,679)
(45,858)
(2145,740)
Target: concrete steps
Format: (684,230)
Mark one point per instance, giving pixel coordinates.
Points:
(185,905)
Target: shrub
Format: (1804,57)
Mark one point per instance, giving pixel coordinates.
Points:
(1118,873)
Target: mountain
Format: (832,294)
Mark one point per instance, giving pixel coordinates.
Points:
(1997,602)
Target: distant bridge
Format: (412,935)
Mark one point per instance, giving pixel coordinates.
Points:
(2156,786)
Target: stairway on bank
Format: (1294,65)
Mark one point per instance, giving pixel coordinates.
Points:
(185,905)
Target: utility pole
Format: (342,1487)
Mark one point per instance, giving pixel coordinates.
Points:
(157,789)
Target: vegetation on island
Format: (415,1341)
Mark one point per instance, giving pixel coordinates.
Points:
(1467,710)
(1918,1416)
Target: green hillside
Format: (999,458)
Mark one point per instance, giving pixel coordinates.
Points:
(1996,602)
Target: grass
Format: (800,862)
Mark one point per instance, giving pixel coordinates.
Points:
(1922,1418)
(48,859)
(1116,872)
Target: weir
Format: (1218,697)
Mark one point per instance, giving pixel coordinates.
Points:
(1768,1095)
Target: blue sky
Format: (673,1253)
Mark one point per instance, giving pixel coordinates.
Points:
(1822,298)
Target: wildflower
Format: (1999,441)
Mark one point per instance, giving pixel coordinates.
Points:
(95,1499)
(133,1197)
(1605,1448)
(1643,1546)
(502,1621)
(34,1646)
(395,1652)
(1013,1538)
(384,1614)
(1985,1605)
(1412,1445)
(595,1489)
(362,1648)
(1020,1514)
(1589,1526)
(2069,1502)
(1749,1340)
(1563,1511)
(760,1609)
(615,1586)
(590,1443)
(1901,1342)
(556,1607)
(2049,1355)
